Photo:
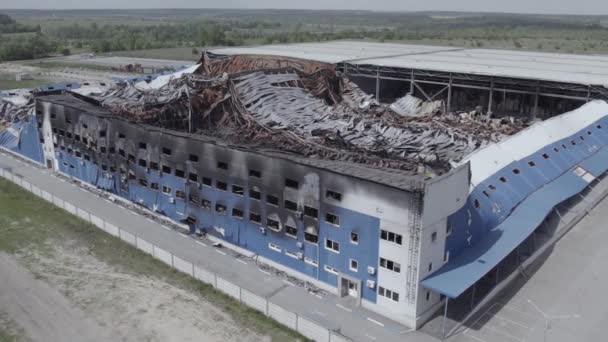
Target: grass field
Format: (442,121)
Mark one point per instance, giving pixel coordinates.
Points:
(27,222)
(12,84)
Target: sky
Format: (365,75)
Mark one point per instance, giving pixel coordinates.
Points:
(512,6)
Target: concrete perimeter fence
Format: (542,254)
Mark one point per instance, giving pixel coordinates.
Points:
(304,326)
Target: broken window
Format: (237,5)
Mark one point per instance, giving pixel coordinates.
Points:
(332,219)
(111,150)
(255,194)
(290,183)
(154,186)
(143,182)
(205,203)
(207,181)
(121,152)
(237,189)
(166,169)
(180,173)
(193,198)
(291,231)
(311,212)
(120,135)
(238,213)
(273,224)
(222,165)
(180,194)
(143,146)
(336,196)
(433,236)
(131,158)
(312,238)
(154,166)
(289,205)
(255,217)
(353,265)
(390,265)
(221,185)
(273,200)
(142,163)
(166,151)
(193,177)
(354,237)
(220,208)
(102,149)
(255,173)
(166,190)
(193,158)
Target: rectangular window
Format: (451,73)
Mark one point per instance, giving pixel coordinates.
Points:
(354,238)
(330,269)
(121,136)
(311,262)
(87,157)
(254,194)
(102,149)
(111,150)
(312,238)
(433,236)
(274,247)
(332,195)
(311,212)
(180,173)
(290,183)
(205,203)
(289,205)
(237,189)
(255,217)
(392,295)
(193,158)
(166,169)
(207,181)
(220,208)
(332,245)
(193,198)
(142,163)
(291,231)
(121,152)
(78,154)
(238,213)
(255,173)
(222,165)
(143,146)
(221,185)
(154,186)
(102,134)
(154,166)
(273,200)
(166,151)
(131,158)
(143,182)
(332,219)
(166,190)
(273,224)
(391,237)
(390,265)
(180,194)
(193,177)
(292,254)
(77,137)
(353,265)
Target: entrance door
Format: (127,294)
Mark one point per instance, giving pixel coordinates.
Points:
(49,164)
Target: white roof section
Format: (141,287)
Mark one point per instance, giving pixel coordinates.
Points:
(568,68)
(490,159)
(161,81)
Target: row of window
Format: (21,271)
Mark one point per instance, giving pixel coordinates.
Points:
(531,163)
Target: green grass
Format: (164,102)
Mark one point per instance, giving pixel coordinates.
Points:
(6,336)
(67,64)
(29,222)
(12,84)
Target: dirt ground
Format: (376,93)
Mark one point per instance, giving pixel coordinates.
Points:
(65,294)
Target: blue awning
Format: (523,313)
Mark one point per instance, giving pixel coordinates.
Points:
(464,270)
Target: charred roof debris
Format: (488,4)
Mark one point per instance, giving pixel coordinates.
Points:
(305,108)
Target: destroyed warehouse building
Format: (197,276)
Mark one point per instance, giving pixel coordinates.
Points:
(395,204)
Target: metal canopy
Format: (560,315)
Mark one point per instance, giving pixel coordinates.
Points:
(463,271)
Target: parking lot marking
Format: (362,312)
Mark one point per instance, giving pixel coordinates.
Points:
(370,337)
(201,243)
(510,321)
(241,261)
(267,273)
(217,250)
(374,321)
(344,308)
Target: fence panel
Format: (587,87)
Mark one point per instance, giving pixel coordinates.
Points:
(111,229)
(144,246)
(282,316)
(312,330)
(2,173)
(163,255)
(36,190)
(228,288)
(69,207)
(127,237)
(47,196)
(97,221)
(204,276)
(183,266)
(26,185)
(254,301)
(58,202)
(83,214)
